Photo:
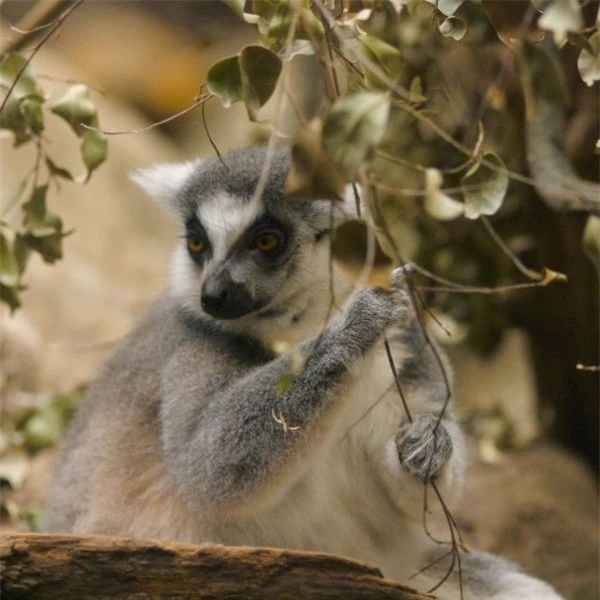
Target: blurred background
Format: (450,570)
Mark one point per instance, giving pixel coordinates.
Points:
(532,415)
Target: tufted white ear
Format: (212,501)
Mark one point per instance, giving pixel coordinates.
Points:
(163,181)
(350,200)
(346,209)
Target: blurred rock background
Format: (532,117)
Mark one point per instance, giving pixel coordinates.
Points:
(532,501)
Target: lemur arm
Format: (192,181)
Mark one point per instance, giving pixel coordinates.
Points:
(226,449)
(422,448)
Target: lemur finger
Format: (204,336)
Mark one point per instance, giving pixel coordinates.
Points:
(399,274)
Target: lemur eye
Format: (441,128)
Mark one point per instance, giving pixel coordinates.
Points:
(196,244)
(268,241)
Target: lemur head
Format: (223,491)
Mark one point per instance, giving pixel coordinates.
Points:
(245,260)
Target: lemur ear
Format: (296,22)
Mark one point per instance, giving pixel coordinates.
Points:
(347,208)
(350,200)
(163,181)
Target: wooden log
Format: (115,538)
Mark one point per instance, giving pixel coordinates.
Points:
(69,567)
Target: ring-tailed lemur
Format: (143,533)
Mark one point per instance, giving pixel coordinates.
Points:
(190,433)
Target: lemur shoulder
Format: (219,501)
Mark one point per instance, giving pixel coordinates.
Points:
(186,435)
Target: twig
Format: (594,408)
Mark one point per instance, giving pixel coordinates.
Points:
(210,139)
(32,22)
(529,273)
(460,288)
(455,535)
(59,21)
(397,380)
(196,103)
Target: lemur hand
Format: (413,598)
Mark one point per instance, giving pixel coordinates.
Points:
(424,447)
(373,310)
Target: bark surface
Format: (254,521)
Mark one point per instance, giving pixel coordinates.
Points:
(45,566)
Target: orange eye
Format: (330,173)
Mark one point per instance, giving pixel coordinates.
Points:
(267,242)
(196,244)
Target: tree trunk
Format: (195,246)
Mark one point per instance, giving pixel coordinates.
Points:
(73,567)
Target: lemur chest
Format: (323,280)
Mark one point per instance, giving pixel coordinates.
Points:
(340,503)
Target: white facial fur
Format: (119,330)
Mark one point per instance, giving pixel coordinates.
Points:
(304,298)
(225,219)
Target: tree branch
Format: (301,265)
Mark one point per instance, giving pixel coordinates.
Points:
(71,567)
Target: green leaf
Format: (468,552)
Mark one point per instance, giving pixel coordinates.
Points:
(21,252)
(591,240)
(446,7)
(484,188)
(77,109)
(44,428)
(437,204)
(308,26)
(56,170)
(224,79)
(588,62)
(48,247)
(354,126)
(93,150)
(33,518)
(44,232)
(12,119)
(283,383)
(385,54)
(9,266)
(313,175)
(453,27)
(14,466)
(10,67)
(10,296)
(31,109)
(38,221)
(260,69)
(250,77)
(416,91)
(22,112)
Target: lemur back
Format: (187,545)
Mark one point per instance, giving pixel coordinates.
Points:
(248,408)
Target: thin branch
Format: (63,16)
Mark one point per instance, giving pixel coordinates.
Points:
(455,535)
(59,21)
(397,380)
(32,22)
(529,273)
(196,103)
(459,288)
(210,139)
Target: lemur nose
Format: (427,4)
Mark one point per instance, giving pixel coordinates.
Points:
(214,293)
(224,298)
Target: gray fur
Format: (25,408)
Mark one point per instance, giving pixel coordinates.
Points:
(424,447)
(186,436)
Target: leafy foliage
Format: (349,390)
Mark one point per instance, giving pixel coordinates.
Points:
(484,186)
(250,77)
(26,430)
(23,114)
(394,124)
